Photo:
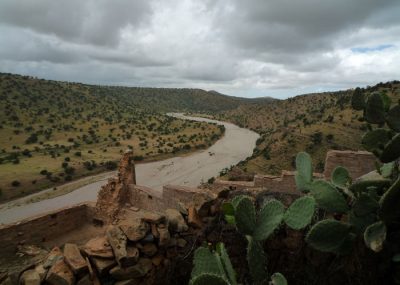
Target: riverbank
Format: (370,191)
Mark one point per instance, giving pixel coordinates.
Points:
(190,170)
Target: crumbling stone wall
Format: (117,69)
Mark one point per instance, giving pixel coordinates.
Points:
(357,163)
(43,228)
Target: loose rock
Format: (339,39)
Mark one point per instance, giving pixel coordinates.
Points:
(30,277)
(149,249)
(135,229)
(176,221)
(98,247)
(140,269)
(60,274)
(74,259)
(117,240)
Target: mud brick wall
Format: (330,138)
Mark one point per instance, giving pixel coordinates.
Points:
(284,183)
(173,196)
(146,198)
(357,163)
(43,228)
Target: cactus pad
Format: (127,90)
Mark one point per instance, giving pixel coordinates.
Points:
(390,202)
(278,279)
(208,279)
(340,177)
(375,235)
(226,263)
(328,235)
(245,216)
(269,218)
(303,171)
(257,261)
(300,213)
(371,179)
(328,197)
(393,118)
(391,151)
(374,141)
(358,99)
(375,109)
(205,262)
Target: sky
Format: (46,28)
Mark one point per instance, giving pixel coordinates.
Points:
(251,48)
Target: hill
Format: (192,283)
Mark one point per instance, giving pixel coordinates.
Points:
(51,131)
(313,122)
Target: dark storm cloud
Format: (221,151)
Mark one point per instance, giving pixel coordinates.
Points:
(97,22)
(266,47)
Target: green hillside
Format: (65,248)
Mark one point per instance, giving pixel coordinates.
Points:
(52,132)
(314,123)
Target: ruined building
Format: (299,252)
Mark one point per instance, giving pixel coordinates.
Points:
(134,234)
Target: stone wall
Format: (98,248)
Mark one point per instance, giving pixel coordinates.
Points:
(43,228)
(357,163)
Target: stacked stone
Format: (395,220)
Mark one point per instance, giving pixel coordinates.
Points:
(134,250)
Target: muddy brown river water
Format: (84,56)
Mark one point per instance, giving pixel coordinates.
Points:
(236,145)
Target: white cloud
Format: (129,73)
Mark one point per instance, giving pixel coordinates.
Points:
(247,48)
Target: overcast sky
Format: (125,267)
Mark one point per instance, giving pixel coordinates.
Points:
(249,48)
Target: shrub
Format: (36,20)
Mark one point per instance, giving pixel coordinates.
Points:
(15,183)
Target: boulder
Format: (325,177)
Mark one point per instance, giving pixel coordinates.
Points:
(164,235)
(74,259)
(98,247)
(132,256)
(140,269)
(102,265)
(152,217)
(54,255)
(30,277)
(135,229)
(60,274)
(176,220)
(193,218)
(149,249)
(117,240)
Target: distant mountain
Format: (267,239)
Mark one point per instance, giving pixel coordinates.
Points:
(143,98)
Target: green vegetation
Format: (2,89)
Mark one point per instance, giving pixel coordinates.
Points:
(340,216)
(315,123)
(52,132)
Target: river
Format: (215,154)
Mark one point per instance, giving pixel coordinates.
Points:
(236,145)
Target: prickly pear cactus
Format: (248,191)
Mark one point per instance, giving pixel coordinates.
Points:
(226,263)
(278,279)
(375,109)
(328,197)
(375,235)
(358,99)
(208,279)
(389,203)
(205,262)
(245,216)
(371,179)
(303,171)
(391,151)
(328,235)
(340,177)
(268,220)
(393,118)
(300,213)
(374,141)
(257,261)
